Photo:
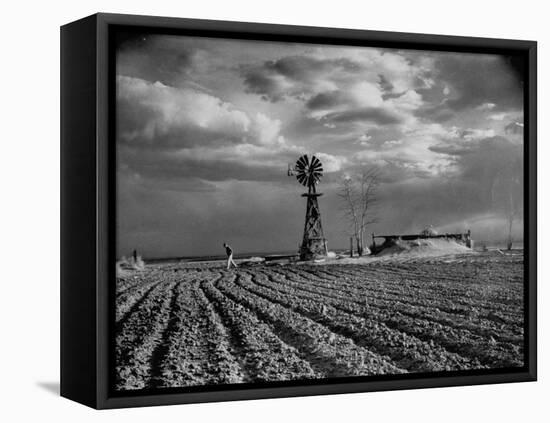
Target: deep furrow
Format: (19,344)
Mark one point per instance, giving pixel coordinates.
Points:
(139,284)
(444,304)
(122,317)
(484,327)
(195,349)
(397,277)
(126,304)
(266,355)
(138,336)
(426,283)
(374,335)
(329,353)
(427,280)
(383,295)
(461,342)
(160,352)
(236,348)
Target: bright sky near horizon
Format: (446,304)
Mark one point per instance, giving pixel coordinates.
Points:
(206,128)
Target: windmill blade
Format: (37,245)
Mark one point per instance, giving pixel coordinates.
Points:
(316,164)
(302,162)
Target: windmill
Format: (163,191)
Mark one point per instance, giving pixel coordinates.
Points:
(309,174)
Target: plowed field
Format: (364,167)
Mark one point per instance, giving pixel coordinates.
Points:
(181,325)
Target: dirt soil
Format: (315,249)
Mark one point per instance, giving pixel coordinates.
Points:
(425,248)
(180,325)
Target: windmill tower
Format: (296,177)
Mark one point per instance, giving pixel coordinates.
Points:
(309,174)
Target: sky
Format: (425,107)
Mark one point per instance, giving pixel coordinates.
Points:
(206,129)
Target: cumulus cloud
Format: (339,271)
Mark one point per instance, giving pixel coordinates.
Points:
(170,131)
(342,84)
(154,113)
(332,163)
(497,116)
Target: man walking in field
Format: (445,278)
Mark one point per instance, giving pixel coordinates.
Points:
(229,253)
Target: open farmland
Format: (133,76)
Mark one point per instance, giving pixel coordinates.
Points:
(181,325)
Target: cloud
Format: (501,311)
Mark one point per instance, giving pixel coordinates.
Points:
(331,163)
(155,58)
(166,132)
(474,195)
(471,133)
(482,161)
(364,114)
(244,163)
(486,106)
(154,113)
(408,101)
(481,80)
(438,113)
(327,100)
(497,116)
(485,82)
(364,139)
(349,91)
(294,76)
(328,77)
(514,128)
(450,149)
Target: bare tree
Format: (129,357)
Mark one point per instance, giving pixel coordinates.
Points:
(359,196)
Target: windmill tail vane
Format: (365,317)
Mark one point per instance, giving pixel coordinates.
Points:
(291,170)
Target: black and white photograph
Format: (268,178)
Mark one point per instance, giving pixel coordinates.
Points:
(290,212)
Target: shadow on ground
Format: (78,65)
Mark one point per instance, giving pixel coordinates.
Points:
(51,387)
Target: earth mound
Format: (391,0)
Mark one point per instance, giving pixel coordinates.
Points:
(423,247)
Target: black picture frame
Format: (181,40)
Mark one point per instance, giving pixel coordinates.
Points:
(88,201)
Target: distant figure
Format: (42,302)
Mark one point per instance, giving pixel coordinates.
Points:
(229,253)
(134,254)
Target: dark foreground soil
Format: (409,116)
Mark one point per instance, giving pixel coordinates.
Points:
(181,325)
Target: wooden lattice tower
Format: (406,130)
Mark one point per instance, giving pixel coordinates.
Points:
(309,174)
